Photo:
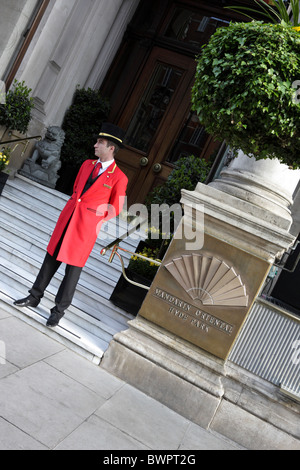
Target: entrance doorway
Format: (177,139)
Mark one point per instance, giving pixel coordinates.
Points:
(149,86)
(153,118)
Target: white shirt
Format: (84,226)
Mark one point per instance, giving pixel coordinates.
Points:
(105,165)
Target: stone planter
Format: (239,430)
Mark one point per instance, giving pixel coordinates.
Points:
(268,183)
(3,179)
(20,151)
(128,296)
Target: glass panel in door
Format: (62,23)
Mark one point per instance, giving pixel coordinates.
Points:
(152,107)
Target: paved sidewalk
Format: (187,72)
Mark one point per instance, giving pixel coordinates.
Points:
(52,398)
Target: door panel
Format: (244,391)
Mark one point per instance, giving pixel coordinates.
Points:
(153,118)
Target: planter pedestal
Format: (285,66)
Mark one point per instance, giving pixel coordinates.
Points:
(267,184)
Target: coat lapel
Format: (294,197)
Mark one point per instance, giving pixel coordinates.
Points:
(104,179)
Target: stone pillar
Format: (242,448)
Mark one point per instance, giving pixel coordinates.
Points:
(268,184)
(65,53)
(176,349)
(14,18)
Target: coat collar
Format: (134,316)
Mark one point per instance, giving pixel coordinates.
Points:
(110,169)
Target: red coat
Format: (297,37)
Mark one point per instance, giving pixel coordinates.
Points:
(102,201)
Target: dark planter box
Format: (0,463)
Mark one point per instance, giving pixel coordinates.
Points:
(128,296)
(3,179)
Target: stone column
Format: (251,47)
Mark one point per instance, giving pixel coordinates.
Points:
(65,53)
(268,184)
(14,18)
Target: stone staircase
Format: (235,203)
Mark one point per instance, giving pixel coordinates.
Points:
(28,213)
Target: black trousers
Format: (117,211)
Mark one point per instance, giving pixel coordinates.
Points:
(68,285)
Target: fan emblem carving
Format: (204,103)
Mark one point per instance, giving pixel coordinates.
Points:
(209,280)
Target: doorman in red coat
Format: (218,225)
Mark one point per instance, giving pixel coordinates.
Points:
(98,195)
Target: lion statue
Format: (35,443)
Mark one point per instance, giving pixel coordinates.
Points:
(44,163)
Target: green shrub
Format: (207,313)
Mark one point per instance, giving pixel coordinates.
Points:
(82,121)
(143,267)
(187,173)
(4,158)
(15,113)
(244,89)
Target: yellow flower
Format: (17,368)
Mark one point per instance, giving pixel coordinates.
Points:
(4,159)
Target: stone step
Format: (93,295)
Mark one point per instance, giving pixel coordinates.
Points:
(29,212)
(20,226)
(92,334)
(89,345)
(32,195)
(15,207)
(107,317)
(91,301)
(46,204)
(99,270)
(40,222)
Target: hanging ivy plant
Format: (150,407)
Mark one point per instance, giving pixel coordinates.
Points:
(244,90)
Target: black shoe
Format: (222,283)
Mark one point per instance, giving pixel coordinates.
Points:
(27,302)
(54,318)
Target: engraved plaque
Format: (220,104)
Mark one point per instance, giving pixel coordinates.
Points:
(204,296)
(209,280)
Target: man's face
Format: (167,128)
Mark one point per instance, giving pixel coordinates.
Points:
(102,151)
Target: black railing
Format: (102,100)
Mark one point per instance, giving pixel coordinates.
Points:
(23,139)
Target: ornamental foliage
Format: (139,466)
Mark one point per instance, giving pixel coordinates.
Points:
(15,113)
(143,267)
(82,121)
(245,89)
(275,11)
(187,173)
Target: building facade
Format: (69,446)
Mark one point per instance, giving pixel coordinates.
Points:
(141,55)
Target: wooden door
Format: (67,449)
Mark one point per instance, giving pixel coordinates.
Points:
(153,117)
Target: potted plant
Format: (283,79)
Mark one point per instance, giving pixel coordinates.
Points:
(188,171)
(15,113)
(275,11)
(243,90)
(130,296)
